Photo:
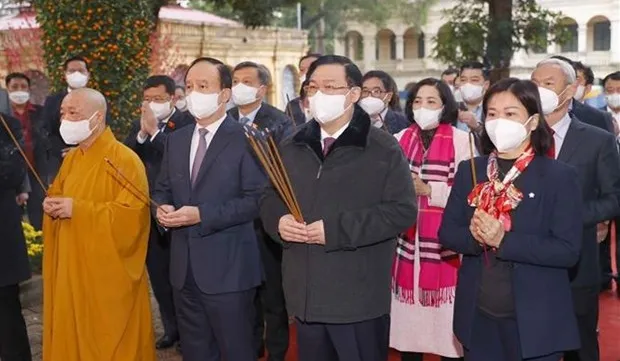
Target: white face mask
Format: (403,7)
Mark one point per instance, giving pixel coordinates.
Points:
(580,93)
(76,132)
(613,100)
(19,97)
(471,92)
(427,118)
(202,105)
(549,100)
(181,104)
(325,108)
(372,106)
(506,134)
(161,110)
(76,80)
(243,94)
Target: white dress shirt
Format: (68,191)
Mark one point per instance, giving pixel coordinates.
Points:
(337,134)
(379,121)
(250,116)
(560,128)
(212,129)
(142,139)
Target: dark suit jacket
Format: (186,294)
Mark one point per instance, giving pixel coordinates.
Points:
(41,141)
(14,263)
(269,117)
(5,104)
(593,116)
(395,121)
(295,110)
(152,152)
(543,244)
(593,153)
(222,249)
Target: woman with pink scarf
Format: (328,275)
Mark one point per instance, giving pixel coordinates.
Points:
(424,274)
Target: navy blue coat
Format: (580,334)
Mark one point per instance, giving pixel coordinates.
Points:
(222,249)
(395,121)
(543,244)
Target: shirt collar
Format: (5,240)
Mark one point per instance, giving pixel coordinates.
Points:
(29,107)
(212,128)
(252,114)
(561,128)
(165,120)
(337,134)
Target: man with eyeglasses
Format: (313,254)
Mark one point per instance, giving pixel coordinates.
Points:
(148,138)
(337,259)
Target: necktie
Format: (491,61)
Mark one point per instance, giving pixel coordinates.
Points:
(327,145)
(244,120)
(200,153)
(551,151)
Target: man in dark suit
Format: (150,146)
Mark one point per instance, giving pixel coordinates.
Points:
(76,76)
(209,186)
(593,153)
(5,105)
(148,138)
(250,82)
(14,263)
(36,144)
(295,107)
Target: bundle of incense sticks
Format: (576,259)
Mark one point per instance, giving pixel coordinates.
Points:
(267,152)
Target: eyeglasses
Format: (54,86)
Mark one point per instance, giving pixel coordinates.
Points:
(157,99)
(311,90)
(374,92)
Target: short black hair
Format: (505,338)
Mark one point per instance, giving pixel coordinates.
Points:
(450,112)
(223,70)
(475,65)
(263,74)
(310,55)
(588,74)
(450,71)
(159,80)
(578,66)
(389,84)
(12,76)
(76,58)
(352,72)
(613,76)
(526,92)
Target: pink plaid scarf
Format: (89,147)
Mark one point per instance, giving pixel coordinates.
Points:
(438,267)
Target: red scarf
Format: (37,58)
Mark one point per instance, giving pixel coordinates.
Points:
(438,267)
(499,198)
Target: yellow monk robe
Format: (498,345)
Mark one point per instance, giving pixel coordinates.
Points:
(96,300)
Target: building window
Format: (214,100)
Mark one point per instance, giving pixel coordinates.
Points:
(421,46)
(393,47)
(602,36)
(572,43)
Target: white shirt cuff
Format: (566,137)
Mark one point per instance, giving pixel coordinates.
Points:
(154,135)
(140,139)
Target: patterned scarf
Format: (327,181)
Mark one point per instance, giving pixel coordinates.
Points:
(438,267)
(496,197)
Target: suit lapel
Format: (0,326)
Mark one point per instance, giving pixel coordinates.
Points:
(218,143)
(261,120)
(571,142)
(234,113)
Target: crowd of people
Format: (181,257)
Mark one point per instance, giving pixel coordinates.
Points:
(473,224)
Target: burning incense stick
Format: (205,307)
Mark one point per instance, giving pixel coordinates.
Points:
(135,188)
(471,159)
(23,154)
(289,112)
(267,152)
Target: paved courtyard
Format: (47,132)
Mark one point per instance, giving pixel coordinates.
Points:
(34,321)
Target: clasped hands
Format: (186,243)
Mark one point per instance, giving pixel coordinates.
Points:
(168,217)
(421,188)
(486,229)
(148,121)
(57,207)
(292,231)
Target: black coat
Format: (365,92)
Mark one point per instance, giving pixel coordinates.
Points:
(269,117)
(14,263)
(295,110)
(152,152)
(593,116)
(364,194)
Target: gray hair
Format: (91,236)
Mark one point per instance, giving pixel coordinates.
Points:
(263,73)
(568,70)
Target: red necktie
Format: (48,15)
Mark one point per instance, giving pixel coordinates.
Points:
(327,145)
(551,151)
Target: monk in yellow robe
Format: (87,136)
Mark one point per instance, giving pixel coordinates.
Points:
(96,305)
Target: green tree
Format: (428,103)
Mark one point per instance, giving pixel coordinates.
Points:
(493,30)
(114,38)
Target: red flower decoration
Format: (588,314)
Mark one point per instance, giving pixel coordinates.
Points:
(171,124)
